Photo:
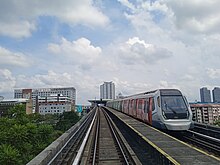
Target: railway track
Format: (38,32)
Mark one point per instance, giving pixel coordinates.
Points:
(206,129)
(106,145)
(69,152)
(202,141)
(204,136)
(97,141)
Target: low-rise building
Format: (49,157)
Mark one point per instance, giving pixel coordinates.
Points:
(205,112)
(6,104)
(53,104)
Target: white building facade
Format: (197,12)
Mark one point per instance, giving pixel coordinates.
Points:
(107,90)
(54,104)
(32,94)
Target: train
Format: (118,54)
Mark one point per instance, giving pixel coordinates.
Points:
(165,109)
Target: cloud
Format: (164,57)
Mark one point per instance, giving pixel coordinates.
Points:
(17,29)
(138,51)
(127,4)
(194,16)
(7,81)
(13,58)
(213,73)
(18,20)
(80,52)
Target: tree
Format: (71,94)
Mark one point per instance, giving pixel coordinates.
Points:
(23,136)
(217,122)
(67,119)
(9,155)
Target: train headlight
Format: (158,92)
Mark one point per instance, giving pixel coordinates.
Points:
(163,113)
(187,114)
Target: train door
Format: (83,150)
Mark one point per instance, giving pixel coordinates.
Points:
(140,103)
(138,107)
(123,105)
(126,106)
(148,110)
(129,106)
(151,105)
(135,108)
(132,107)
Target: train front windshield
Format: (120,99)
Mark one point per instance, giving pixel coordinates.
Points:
(174,107)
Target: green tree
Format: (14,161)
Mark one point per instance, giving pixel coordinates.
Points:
(67,119)
(18,112)
(9,155)
(217,122)
(23,136)
(18,135)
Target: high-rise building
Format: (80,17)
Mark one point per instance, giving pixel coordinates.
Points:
(216,95)
(107,90)
(205,95)
(45,92)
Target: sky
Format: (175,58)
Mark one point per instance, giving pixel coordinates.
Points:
(140,45)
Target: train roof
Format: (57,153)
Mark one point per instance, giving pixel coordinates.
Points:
(163,92)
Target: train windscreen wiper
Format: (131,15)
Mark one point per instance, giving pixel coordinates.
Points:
(167,107)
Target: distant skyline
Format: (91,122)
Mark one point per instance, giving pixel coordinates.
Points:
(140,45)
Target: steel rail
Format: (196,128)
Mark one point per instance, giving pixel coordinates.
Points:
(96,140)
(207,130)
(116,138)
(81,149)
(204,144)
(205,136)
(51,161)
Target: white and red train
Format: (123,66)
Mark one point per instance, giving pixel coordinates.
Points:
(163,108)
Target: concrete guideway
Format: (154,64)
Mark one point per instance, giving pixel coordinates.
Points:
(173,149)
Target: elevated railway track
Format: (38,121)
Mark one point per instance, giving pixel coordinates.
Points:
(107,136)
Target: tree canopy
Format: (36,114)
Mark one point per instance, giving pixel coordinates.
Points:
(23,136)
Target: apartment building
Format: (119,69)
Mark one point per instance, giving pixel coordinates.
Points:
(107,90)
(206,113)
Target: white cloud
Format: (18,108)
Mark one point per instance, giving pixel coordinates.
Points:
(213,73)
(127,4)
(13,58)
(80,52)
(17,29)
(7,81)
(158,44)
(196,16)
(138,51)
(17,18)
